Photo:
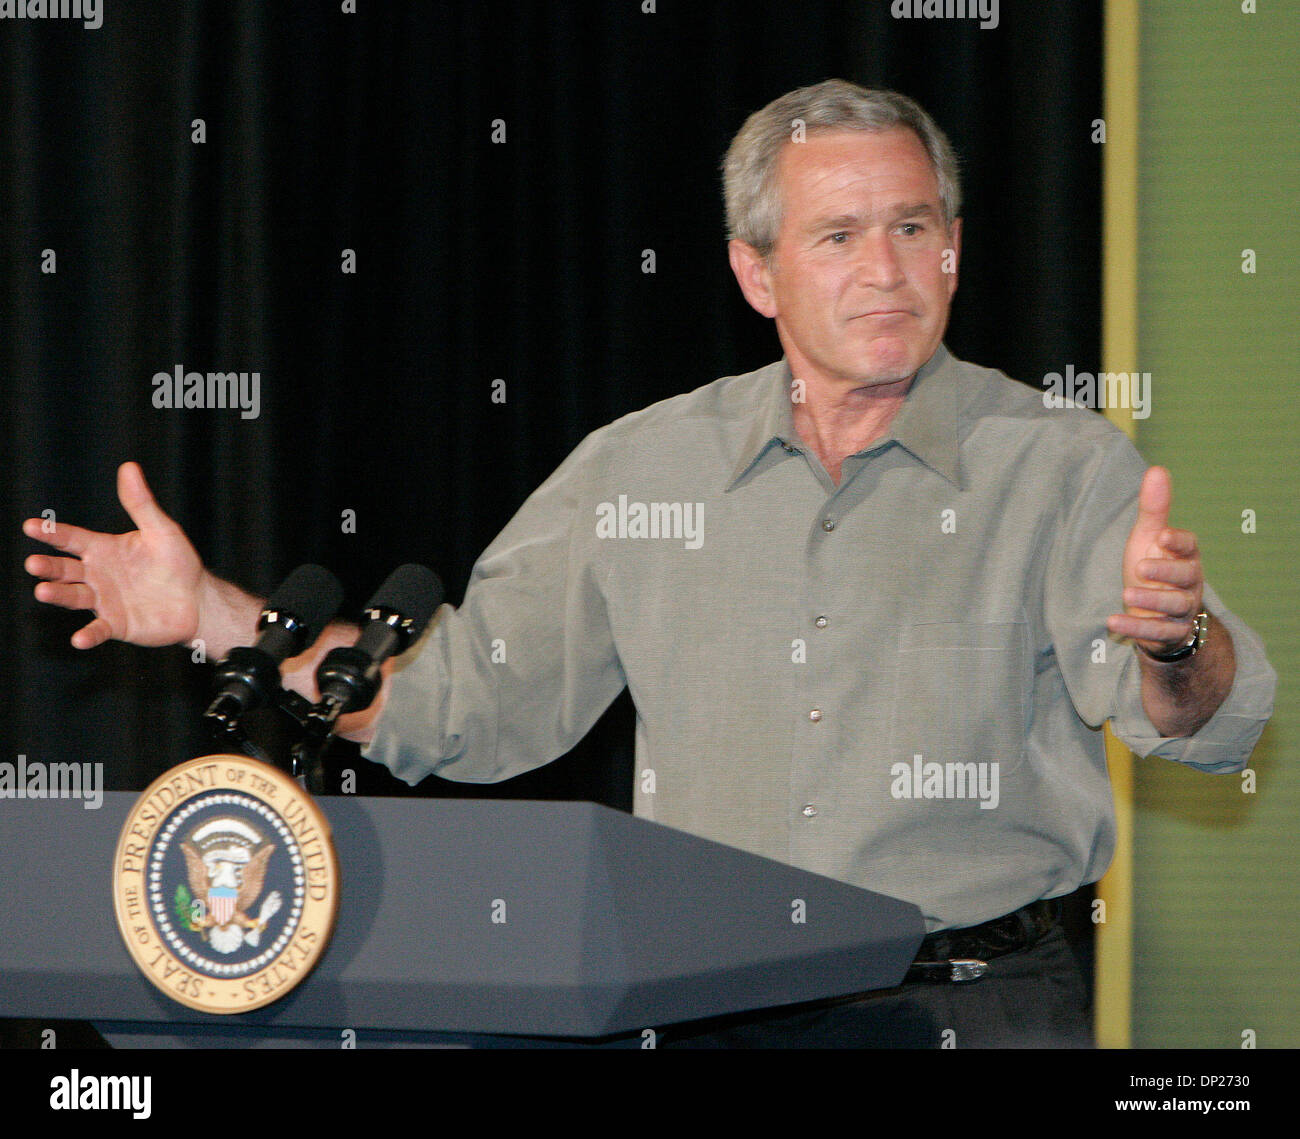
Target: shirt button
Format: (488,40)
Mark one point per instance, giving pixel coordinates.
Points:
(809,811)
(821,622)
(828,524)
(815,715)
(788,449)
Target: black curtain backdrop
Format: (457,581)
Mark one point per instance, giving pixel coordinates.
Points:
(476,261)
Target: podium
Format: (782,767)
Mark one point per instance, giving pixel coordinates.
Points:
(463,923)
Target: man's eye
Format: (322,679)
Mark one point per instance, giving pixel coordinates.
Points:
(911,228)
(838,238)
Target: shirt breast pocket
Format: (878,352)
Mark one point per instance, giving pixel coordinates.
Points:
(962,693)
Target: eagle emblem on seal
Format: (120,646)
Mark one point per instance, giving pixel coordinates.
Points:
(225,861)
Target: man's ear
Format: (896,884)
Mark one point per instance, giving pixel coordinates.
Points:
(753,276)
(954,244)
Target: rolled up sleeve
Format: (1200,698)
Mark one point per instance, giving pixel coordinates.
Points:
(520,672)
(1084,586)
(1225,741)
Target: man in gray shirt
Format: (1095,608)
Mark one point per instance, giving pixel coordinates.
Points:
(868,600)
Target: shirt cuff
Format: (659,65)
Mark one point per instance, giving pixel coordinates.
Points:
(1225,742)
(406,729)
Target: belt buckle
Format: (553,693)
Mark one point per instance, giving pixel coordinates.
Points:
(962,970)
(951,970)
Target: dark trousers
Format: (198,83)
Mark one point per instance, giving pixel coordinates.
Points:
(1033,998)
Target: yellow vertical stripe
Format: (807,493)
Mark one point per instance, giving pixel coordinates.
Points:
(1119,350)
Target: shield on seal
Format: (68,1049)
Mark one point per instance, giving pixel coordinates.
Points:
(221,903)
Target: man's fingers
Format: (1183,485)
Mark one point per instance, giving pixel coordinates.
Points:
(1181,543)
(1169,571)
(1157,630)
(70,596)
(55,569)
(70,539)
(1176,602)
(138,500)
(93,635)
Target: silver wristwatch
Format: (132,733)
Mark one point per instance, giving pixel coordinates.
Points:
(1193,645)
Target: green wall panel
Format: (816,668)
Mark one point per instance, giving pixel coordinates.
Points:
(1217,877)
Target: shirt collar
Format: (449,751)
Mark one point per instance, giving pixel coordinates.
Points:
(772,420)
(925,426)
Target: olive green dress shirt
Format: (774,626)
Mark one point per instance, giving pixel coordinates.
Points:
(898,682)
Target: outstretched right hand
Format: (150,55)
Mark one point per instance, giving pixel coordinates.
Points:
(144,587)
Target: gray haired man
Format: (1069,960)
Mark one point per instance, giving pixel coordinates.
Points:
(910,597)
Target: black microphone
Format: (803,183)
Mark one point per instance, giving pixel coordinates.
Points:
(349,678)
(249,676)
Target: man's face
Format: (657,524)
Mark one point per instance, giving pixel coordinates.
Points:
(856,282)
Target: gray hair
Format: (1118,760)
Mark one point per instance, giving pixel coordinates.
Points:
(753,197)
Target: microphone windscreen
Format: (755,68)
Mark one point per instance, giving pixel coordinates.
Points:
(311,594)
(412,590)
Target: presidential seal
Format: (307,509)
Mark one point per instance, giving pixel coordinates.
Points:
(225,883)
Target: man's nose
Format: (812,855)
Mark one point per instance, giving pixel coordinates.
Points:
(878,264)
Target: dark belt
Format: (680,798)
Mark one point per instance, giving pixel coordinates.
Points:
(957,955)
